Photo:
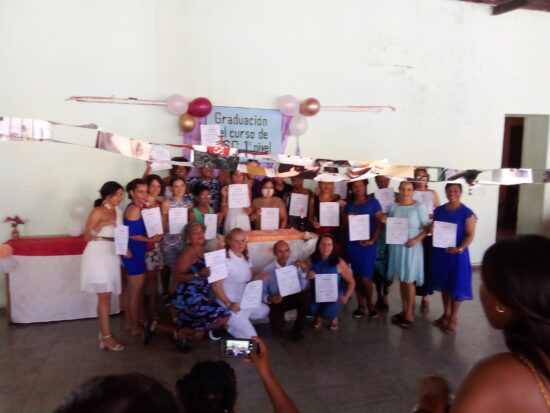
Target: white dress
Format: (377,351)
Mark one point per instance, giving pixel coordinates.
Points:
(240,273)
(100,268)
(236,218)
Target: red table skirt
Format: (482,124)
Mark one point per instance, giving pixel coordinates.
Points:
(48,246)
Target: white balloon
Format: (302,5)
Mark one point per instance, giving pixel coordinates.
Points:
(79,208)
(298,125)
(74,228)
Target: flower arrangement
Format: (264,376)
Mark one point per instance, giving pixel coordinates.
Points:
(15,221)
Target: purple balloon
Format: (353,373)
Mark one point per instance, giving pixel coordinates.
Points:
(288,105)
(177,104)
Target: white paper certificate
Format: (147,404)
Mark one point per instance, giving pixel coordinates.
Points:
(217,262)
(397,231)
(121,239)
(329,214)
(426,198)
(152,221)
(326,288)
(177,219)
(210,135)
(211,224)
(238,196)
(288,281)
(298,205)
(444,234)
(269,219)
(359,227)
(252,296)
(386,197)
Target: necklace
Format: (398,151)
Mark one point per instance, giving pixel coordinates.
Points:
(539,381)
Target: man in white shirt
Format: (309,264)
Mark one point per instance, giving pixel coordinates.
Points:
(279,305)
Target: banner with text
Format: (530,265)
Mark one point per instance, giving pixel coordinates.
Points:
(249,129)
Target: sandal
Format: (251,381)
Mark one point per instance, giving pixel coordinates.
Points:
(359,312)
(150,331)
(396,319)
(181,343)
(451,328)
(333,326)
(317,323)
(405,324)
(441,322)
(109,343)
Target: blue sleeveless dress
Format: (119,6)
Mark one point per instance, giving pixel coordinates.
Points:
(452,273)
(136,264)
(327,311)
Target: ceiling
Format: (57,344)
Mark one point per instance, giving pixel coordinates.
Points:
(505,6)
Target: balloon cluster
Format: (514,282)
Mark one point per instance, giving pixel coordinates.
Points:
(291,106)
(188,111)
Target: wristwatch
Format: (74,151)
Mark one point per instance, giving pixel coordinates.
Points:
(196,275)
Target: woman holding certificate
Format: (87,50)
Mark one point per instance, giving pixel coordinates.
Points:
(236,217)
(231,290)
(327,274)
(406,226)
(172,243)
(325,211)
(362,214)
(137,244)
(451,270)
(268,211)
(297,216)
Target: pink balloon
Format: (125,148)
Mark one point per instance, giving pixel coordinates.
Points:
(5,251)
(200,107)
(288,105)
(298,125)
(177,104)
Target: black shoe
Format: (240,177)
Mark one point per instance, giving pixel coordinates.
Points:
(149,332)
(182,345)
(373,314)
(396,319)
(359,312)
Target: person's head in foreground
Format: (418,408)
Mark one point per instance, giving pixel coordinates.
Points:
(120,393)
(210,387)
(515,294)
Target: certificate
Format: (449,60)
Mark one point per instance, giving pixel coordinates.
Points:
(444,234)
(269,219)
(288,281)
(329,214)
(426,198)
(216,261)
(177,219)
(326,288)
(397,231)
(211,224)
(238,196)
(298,205)
(210,135)
(386,197)
(359,227)
(252,296)
(121,239)
(152,221)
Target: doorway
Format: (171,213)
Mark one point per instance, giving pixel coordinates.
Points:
(508,199)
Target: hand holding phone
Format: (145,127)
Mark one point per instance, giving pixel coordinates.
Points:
(238,347)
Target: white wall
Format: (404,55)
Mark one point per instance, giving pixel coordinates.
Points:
(450,68)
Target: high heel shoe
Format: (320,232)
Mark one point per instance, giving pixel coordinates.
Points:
(150,331)
(109,343)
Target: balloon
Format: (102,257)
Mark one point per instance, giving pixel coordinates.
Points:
(200,107)
(74,228)
(288,105)
(79,208)
(177,104)
(187,122)
(298,125)
(310,107)
(5,251)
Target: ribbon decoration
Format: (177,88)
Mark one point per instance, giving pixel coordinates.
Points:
(222,157)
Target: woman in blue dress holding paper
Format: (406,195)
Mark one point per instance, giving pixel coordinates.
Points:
(406,260)
(325,261)
(451,269)
(362,253)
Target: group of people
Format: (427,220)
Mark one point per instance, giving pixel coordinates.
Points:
(198,307)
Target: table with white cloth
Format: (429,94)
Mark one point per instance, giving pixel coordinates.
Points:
(260,245)
(45,283)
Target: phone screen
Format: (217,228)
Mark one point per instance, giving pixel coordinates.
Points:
(237,347)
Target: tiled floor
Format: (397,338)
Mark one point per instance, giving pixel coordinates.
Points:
(367,366)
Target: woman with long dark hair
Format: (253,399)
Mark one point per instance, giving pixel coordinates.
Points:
(100,270)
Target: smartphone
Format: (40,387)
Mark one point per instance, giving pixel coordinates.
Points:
(237,347)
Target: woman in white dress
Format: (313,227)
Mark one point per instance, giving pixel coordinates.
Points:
(230,290)
(100,271)
(235,217)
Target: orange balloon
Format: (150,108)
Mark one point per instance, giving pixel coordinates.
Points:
(187,122)
(310,107)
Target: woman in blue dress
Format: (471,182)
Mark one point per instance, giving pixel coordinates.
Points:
(326,261)
(406,261)
(362,254)
(451,270)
